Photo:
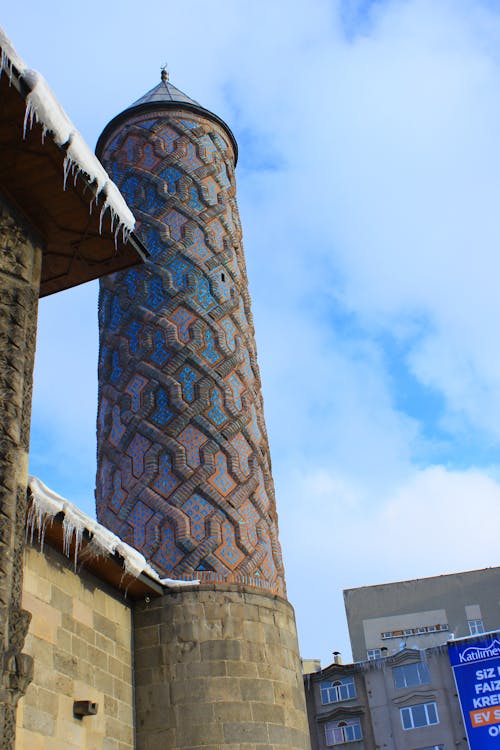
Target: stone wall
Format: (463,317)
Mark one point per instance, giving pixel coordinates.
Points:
(80,637)
(20,267)
(218,667)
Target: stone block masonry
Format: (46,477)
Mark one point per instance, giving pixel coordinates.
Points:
(80,637)
(218,667)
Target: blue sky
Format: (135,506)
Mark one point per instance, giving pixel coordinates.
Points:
(369,189)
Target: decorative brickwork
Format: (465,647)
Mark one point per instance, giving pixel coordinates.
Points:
(183,462)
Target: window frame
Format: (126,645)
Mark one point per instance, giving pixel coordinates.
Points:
(373,653)
(476,626)
(336,687)
(344,725)
(421,670)
(410,710)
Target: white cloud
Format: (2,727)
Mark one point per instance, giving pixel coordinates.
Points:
(338,535)
(369,193)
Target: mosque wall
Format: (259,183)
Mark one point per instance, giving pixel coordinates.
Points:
(80,637)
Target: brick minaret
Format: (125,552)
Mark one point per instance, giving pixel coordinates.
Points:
(184,472)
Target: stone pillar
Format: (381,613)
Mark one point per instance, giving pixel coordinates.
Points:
(20,267)
(218,667)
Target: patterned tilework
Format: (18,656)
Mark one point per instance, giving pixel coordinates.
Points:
(243,450)
(216,413)
(209,352)
(117,494)
(132,333)
(194,202)
(246,367)
(136,451)
(250,519)
(134,388)
(230,331)
(202,294)
(228,552)
(237,389)
(175,222)
(160,352)
(198,509)
(182,451)
(117,426)
(179,269)
(162,414)
(253,427)
(187,378)
(166,481)
(138,519)
(192,440)
(168,554)
(197,244)
(182,319)
(221,479)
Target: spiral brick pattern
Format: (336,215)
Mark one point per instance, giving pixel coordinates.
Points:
(184,471)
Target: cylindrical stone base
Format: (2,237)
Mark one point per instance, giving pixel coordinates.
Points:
(218,667)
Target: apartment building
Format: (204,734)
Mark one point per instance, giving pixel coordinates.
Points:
(421,613)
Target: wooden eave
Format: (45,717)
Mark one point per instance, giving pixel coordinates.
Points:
(75,250)
(107,568)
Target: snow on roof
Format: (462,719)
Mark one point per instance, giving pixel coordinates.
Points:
(47,504)
(43,107)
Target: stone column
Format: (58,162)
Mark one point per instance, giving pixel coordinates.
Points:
(218,668)
(20,267)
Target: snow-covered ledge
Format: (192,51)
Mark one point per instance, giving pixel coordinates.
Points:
(43,107)
(45,505)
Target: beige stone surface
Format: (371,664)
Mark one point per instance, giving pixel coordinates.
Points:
(80,636)
(218,668)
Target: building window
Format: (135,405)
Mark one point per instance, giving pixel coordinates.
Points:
(387,635)
(475,626)
(409,675)
(432,747)
(340,732)
(374,653)
(337,690)
(420,715)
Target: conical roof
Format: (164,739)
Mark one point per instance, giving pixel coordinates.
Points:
(165,92)
(164,96)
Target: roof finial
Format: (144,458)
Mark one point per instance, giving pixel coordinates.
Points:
(164,73)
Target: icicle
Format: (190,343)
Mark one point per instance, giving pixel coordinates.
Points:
(5,64)
(103,210)
(66,168)
(72,531)
(28,117)
(46,504)
(9,58)
(68,529)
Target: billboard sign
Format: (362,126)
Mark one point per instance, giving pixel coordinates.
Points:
(476,667)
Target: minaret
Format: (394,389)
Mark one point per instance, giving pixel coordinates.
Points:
(184,471)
